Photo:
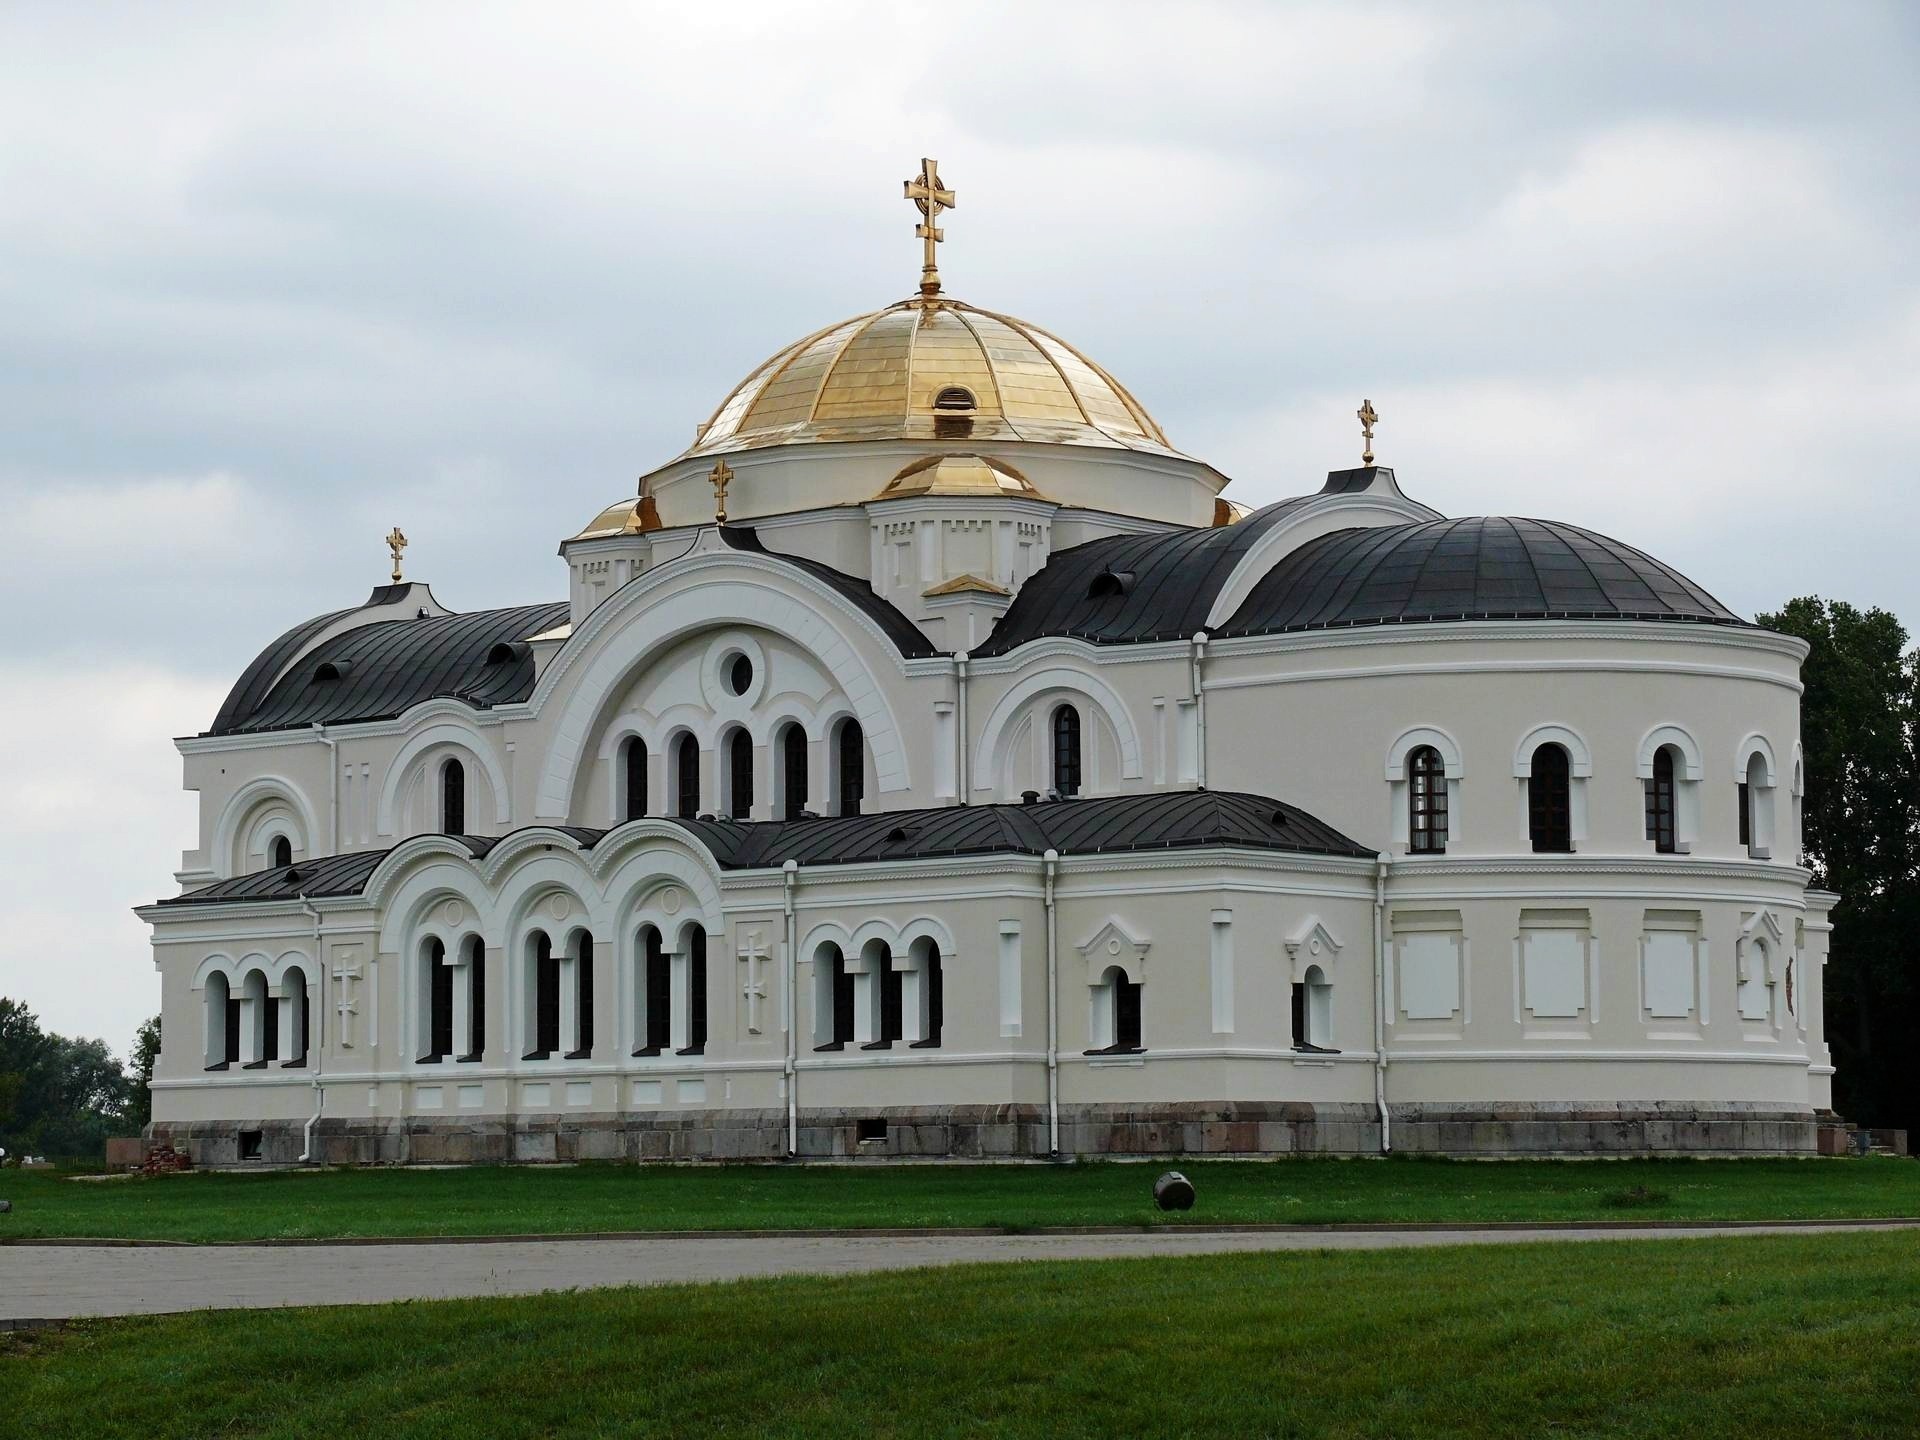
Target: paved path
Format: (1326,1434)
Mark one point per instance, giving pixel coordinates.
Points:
(54,1282)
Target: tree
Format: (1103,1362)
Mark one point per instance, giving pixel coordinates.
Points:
(1861,826)
(146,1050)
(63,1097)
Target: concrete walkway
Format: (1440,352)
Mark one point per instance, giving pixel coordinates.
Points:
(59,1282)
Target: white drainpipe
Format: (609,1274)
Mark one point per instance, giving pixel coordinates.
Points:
(333,785)
(1380,1000)
(962,780)
(318,1053)
(790,877)
(1199,707)
(1049,864)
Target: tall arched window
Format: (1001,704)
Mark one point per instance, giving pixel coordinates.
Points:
(436,1010)
(633,778)
(476,1036)
(1756,809)
(299,1030)
(927,1007)
(740,775)
(453,798)
(583,998)
(686,776)
(543,1013)
(882,998)
(850,745)
(793,772)
(696,938)
(654,1024)
(223,1022)
(1066,750)
(1116,1014)
(1550,802)
(1662,813)
(280,855)
(1426,802)
(833,1000)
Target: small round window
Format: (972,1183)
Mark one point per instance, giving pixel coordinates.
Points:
(739,675)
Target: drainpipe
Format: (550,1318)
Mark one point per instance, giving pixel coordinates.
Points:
(1049,865)
(1198,657)
(320,1050)
(333,785)
(1381,862)
(790,878)
(961,778)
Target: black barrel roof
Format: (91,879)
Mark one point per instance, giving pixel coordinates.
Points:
(1476,568)
(1111,824)
(378,671)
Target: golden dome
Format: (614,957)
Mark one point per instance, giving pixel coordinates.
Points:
(924,369)
(623,517)
(958,475)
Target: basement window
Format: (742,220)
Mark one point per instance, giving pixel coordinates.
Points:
(249,1144)
(873,1128)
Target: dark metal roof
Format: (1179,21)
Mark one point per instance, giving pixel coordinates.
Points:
(1111,824)
(1161,585)
(1477,568)
(378,671)
(251,688)
(906,636)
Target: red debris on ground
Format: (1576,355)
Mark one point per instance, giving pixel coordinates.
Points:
(165,1160)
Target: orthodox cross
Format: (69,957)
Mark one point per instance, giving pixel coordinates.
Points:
(1367,418)
(396,542)
(754,957)
(931,198)
(343,977)
(721,477)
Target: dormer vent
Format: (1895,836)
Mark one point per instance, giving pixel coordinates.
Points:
(509,652)
(329,671)
(1110,583)
(956,399)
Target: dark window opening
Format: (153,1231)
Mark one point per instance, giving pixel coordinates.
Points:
(1126,1015)
(1066,750)
(739,675)
(793,766)
(281,856)
(657,980)
(686,767)
(232,1041)
(298,1042)
(740,775)
(1661,826)
(546,998)
(270,1024)
(696,992)
(250,1144)
(889,981)
(872,1128)
(1426,802)
(476,1000)
(1549,802)
(852,746)
(453,798)
(840,987)
(633,777)
(583,999)
(1746,814)
(439,1036)
(936,1001)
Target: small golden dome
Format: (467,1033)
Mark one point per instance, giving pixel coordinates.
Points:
(625,517)
(958,475)
(924,369)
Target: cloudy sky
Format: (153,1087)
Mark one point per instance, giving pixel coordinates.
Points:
(273,279)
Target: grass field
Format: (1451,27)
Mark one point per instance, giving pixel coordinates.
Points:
(1749,1337)
(554,1200)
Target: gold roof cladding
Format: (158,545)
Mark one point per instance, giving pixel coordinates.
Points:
(959,475)
(876,377)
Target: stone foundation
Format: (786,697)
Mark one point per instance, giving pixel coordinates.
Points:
(1010,1132)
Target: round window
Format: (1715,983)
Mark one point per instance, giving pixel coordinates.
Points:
(739,674)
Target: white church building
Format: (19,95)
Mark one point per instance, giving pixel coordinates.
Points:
(931,761)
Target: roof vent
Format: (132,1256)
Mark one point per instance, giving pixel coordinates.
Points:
(293,875)
(1110,583)
(509,652)
(1029,797)
(328,671)
(1279,817)
(900,834)
(955,398)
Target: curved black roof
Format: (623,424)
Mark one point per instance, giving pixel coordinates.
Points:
(906,636)
(1476,568)
(1110,824)
(1161,585)
(251,688)
(379,671)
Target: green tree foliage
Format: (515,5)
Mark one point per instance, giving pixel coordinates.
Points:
(146,1050)
(1861,833)
(58,1097)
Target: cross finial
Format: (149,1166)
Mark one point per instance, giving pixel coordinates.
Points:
(931,198)
(396,542)
(720,478)
(1367,417)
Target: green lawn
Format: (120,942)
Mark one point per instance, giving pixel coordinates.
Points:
(1747,1337)
(550,1200)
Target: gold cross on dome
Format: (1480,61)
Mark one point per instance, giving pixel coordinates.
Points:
(396,542)
(927,193)
(1367,417)
(720,478)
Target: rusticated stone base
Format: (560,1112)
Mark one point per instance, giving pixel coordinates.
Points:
(1009,1132)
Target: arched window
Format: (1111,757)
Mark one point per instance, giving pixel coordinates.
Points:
(453,798)
(257,1029)
(1313,1012)
(1066,750)
(299,1037)
(793,772)
(280,855)
(1756,809)
(686,776)
(223,1023)
(696,942)
(1116,1014)
(476,1036)
(880,996)
(633,778)
(832,1000)
(1663,826)
(436,1010)
(543,1013)
(740,775)
(927,1004)
(653,1025)
(1426,802)
(850,746)
(583,998)
(1549,801)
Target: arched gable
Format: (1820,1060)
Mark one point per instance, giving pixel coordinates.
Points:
(990,755)
(242,806)
(1693,768)
(465,739)
(1320,516)
(1580,758)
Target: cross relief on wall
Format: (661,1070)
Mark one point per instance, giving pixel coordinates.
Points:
(754,956)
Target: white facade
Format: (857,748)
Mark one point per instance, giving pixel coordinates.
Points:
(1641,984)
